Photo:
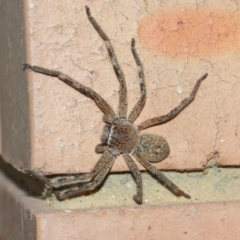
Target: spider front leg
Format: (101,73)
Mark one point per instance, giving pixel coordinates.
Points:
(137,176)
(82,188)
(161,177)
(141,102)
(165,118)
(88,92)
(120,76)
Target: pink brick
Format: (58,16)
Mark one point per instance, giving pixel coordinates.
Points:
(55,129)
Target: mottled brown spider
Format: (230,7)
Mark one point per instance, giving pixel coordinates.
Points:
(120,135)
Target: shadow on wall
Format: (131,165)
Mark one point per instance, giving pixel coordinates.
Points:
(29,184)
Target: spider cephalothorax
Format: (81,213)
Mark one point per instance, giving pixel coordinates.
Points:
(120,135)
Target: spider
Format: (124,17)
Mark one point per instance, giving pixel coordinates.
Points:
(120,135)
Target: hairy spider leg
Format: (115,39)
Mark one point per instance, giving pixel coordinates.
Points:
(56,182)
(172,114)
(137,176)
(161,177)
(82,188)
(60,181)
(120,76)
(86,91)
(141,102)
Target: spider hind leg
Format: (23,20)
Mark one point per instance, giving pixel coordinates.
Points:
(83,188)
(162,178)
(137,176)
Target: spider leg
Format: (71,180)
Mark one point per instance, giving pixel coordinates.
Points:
(116,67)
(162,178)
(137,176)
(64,181)
(60,181)
(82,188)
(165,118)
(141,102)
(88,92)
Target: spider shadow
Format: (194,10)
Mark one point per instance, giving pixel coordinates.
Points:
(30,185)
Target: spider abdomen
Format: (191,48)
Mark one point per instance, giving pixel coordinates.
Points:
(152,148)
(123,137)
